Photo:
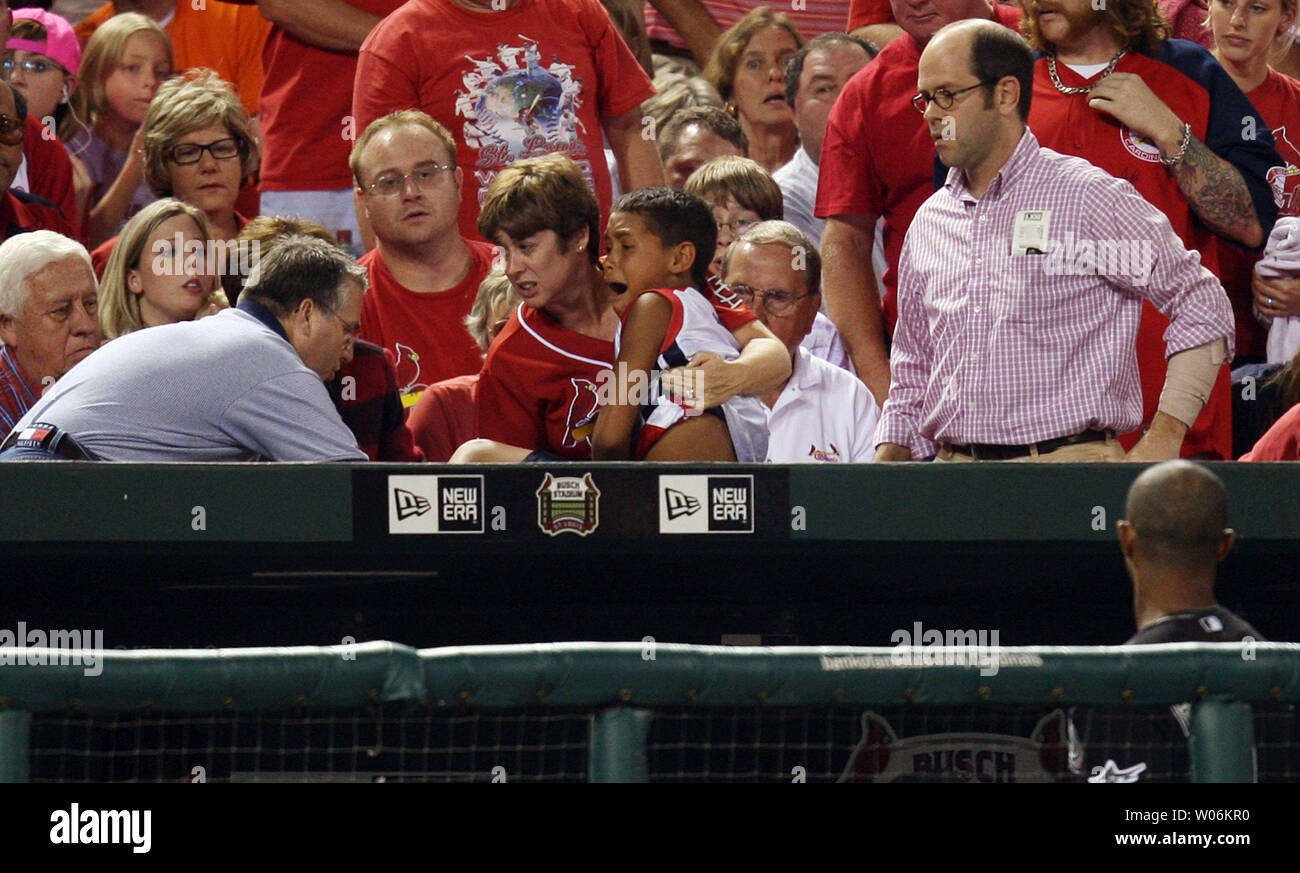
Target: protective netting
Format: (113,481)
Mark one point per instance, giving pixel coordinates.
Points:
(379,744)
(395,742)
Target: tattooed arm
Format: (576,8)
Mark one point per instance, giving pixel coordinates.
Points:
(1217,193)
(1214,188)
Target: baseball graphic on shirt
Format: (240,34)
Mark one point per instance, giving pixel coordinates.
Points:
(1139,146)
(516,108)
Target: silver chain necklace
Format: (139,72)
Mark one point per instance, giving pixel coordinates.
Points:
(1056,80)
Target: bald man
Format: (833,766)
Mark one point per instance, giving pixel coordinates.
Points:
(1173,539)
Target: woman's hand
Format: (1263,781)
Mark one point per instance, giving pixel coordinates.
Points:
(1276,298)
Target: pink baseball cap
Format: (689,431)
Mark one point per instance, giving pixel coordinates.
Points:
(60,41)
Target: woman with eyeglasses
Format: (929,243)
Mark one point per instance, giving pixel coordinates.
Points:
(198,147)
(41,61)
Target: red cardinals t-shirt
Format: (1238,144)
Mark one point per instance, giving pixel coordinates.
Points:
(306,97)
(539,386)
(527,81)
(426,332)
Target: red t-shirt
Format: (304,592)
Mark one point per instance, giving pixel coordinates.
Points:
(49,172)
(1278,101)
(864,12)
(306,98)
(426,332)
(878,157)
(445,417)
(539,386)
(1281,442)
(1192,84)
(527,81)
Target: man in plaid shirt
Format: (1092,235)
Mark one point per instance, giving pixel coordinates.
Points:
(48,317)
(1021,285)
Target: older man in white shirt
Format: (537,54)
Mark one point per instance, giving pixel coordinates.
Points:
(822,413)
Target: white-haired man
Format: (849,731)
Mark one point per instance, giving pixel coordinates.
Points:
(245,384)
(821,413)
(48,317)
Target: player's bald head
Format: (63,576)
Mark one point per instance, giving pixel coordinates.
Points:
(1179,511)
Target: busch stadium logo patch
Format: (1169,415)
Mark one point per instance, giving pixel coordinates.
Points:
(435,504)
(706,504)
(1139,146)
(1049,754)
(567,504)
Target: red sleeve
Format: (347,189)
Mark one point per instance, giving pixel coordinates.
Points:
(864,12)
(49,172)
(380,87)
(847,180)
(623,84)
(731,310)
(1281,442)
(506,412)
(445,416)
(99,257)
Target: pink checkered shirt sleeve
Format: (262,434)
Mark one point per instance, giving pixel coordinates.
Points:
(998,348)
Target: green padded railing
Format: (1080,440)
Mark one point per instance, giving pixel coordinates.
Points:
(628,680)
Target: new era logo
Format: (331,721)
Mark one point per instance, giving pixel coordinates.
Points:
(706,504)
(408,503)
(680,503)
(435,504)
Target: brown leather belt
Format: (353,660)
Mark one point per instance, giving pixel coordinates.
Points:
(992,452)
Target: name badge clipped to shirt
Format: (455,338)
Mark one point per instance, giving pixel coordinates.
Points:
(1029,234)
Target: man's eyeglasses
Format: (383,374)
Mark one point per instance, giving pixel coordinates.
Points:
(351,329)
(777,301)
(192,152)
(29,65)
(11,130)
(393,184)
(737,226)
(942,97)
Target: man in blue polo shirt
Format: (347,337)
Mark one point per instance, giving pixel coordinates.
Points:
(246,384)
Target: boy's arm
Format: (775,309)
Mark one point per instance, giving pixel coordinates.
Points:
(763,366)
(643,334)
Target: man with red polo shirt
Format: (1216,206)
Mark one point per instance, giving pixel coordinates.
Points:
(1165,116)
(309,63)
(878,163)
(423,275)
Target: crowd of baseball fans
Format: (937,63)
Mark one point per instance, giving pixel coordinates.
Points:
(512,230)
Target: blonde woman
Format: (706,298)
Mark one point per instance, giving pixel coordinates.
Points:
(747,68)
(158,272)
(1248,36)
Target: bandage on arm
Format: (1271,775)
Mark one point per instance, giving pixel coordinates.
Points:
(1189,379)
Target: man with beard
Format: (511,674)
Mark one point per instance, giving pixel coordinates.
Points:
(1109,86)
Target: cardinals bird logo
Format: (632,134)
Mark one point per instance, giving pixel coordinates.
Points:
(582,413)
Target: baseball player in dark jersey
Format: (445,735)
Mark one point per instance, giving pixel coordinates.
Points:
(1174,537)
